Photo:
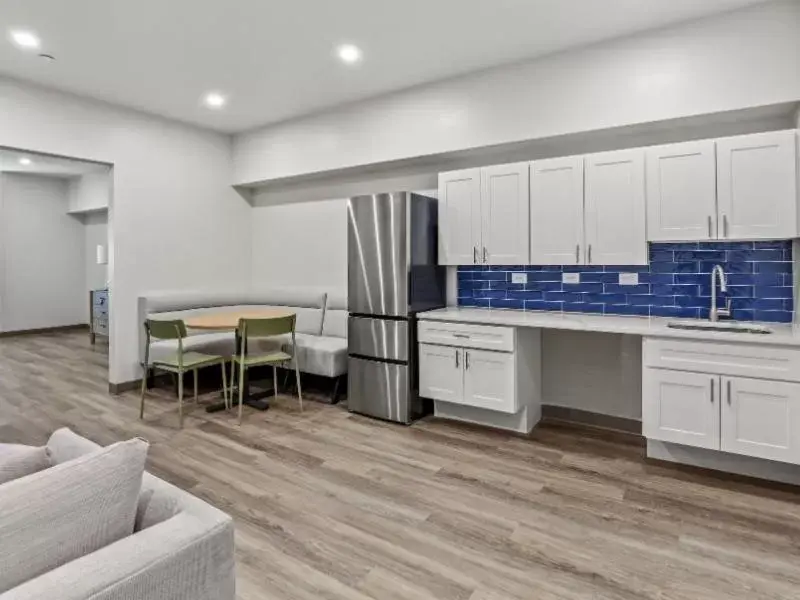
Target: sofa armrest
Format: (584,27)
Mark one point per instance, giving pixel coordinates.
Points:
(182,558)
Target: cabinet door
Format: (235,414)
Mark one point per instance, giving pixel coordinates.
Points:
(441,372)
(757,186)
(557,212)
(489,380)
(459,217)
(682,192)
(504,214)
(616,231)
(761,418)
(682,408)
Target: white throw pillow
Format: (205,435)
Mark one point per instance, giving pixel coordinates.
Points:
(69,510)
(17,461)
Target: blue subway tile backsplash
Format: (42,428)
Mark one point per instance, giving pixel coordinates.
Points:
(676,283)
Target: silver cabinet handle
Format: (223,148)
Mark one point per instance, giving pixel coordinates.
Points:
(577,253)
(710,235)
(456,359)
(590,254)
(466,360)
(728,386)
(484,255)
(474,255)
(712,390)
(724,225)
(461,335)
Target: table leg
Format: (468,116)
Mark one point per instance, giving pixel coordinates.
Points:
(257,400)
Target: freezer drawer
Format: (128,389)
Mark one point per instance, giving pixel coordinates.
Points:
(379,389)
(378,338)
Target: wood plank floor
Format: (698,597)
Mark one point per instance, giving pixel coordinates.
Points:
(336,506)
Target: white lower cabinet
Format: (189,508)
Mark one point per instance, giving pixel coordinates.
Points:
(480,378)
(440,372)
(483,374)
(489,380)
(682,408)
(761,418)
(718,409)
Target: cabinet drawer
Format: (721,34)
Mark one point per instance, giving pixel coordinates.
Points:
(464,335)
(721,358)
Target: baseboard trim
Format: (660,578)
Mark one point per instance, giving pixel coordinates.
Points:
(58,329)
(585,417)
(125,386)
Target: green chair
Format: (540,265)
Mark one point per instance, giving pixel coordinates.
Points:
(178,363)
(250,329)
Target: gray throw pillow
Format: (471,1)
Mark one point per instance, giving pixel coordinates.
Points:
(17,461)
(54,516)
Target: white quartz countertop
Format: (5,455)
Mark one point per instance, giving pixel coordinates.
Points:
(782,334)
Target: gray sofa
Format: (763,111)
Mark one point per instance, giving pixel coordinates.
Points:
(321,328)
(181,548)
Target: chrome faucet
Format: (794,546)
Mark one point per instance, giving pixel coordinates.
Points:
(716,313)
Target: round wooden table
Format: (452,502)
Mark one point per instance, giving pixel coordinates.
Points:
(229,321)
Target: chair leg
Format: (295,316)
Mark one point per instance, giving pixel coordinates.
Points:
(224,386)
(241,390)
(195,386)
(275,380)
(297,377)
(144,388)
(233,381)
(180,399)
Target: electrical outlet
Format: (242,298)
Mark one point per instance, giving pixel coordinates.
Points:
(629,279)
(519,278)
(570,278)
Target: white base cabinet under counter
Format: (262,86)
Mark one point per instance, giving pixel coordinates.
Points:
(731,397)
(481,374)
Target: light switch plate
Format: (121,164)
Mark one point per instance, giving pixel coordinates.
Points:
(629,279)
(519,278)
(570,278)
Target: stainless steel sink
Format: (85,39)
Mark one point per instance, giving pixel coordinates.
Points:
(719,326)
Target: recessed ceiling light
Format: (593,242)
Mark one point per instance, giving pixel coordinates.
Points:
(25,161)
(214,100)
(349,53)
(25,39)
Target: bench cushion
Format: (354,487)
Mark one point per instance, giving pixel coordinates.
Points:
(318,355)
(335,322)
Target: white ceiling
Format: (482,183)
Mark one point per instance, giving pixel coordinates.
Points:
(275,58)
(53,166)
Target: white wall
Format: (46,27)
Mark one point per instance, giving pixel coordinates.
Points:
(302,244)
(175,223)
(95,233)
(734,61)
(43,255)
(90,192)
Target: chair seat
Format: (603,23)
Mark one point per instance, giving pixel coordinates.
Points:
(263,359)
(191,360)
(215,344)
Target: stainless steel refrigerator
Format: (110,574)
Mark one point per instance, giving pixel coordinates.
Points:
(392,275)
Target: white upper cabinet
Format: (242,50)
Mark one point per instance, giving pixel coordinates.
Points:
(504,214)
(556,210)
(682,192)
(757,186)
(459,217)
(616,230)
